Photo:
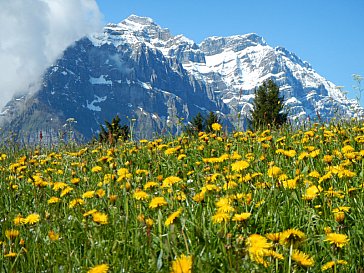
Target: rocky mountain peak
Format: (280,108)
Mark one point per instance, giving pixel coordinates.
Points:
(145,27)
(214,45)
(140,20)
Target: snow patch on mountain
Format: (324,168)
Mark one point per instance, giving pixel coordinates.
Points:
(92,105)
(100,80)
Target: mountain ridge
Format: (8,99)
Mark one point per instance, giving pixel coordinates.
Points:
(138,69)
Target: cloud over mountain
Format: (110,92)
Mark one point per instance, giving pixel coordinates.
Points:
(33,34)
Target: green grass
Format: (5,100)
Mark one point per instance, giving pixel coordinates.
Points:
(136,238)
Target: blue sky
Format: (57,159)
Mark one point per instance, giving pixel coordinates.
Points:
(329,34)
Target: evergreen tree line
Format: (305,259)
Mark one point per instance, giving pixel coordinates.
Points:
(267,112)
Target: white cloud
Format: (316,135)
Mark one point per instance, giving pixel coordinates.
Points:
(34,33)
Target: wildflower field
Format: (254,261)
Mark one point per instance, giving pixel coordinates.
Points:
(266,201)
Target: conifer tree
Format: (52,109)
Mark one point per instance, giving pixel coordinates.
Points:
(196,125)
(114,131)
(199,123)
(268,106)
(211,119)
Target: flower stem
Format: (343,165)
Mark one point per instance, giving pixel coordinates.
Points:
(290,257)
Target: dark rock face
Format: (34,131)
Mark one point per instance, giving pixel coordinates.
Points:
(92,84)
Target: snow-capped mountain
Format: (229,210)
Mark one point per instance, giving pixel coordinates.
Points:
(138,69)
(232,67)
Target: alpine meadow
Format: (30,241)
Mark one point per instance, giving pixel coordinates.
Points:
(279,200)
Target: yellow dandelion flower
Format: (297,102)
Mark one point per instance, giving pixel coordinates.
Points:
(150,184)
(314,174)
(326,176)
(290,153)
(332,193)
(170,151)
(183,264)
(328,158)
(141,218)
(314,153)
(112,198)
(258,247)
(309,133)
(290,184)
(11,233)
(11,255)
(66,191)
(230,185)
(225,208)
(90,212)
(275,237)
(210,187)
(101,268)
(346,173)
(180,196)
(181,156)
(88,194)
(303,155)
(339,240)
(32,219)
(235,156)
(75,202)
(331,264)
(169,181)
(100,218)
(274,254)
(157,202)
(199,197)
(359,139)
(100,193)
(141,172)
(222,158)
(123,173)
(18,220)
(339,216)
(96,169)
(53,200)
(327,230)
(172,217)
(312,192)
(241,216)
(75,180)
(140,195)
(257,242)
(259,203)
(126,186)
(341,208)
(291,236)
(239,166)
(59,186)
(220,217)
(283,177)
(302,258)
(216,126)
(149,222)
(274,171)
(108,178)
(222,202)
(53,236)
(347,149)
